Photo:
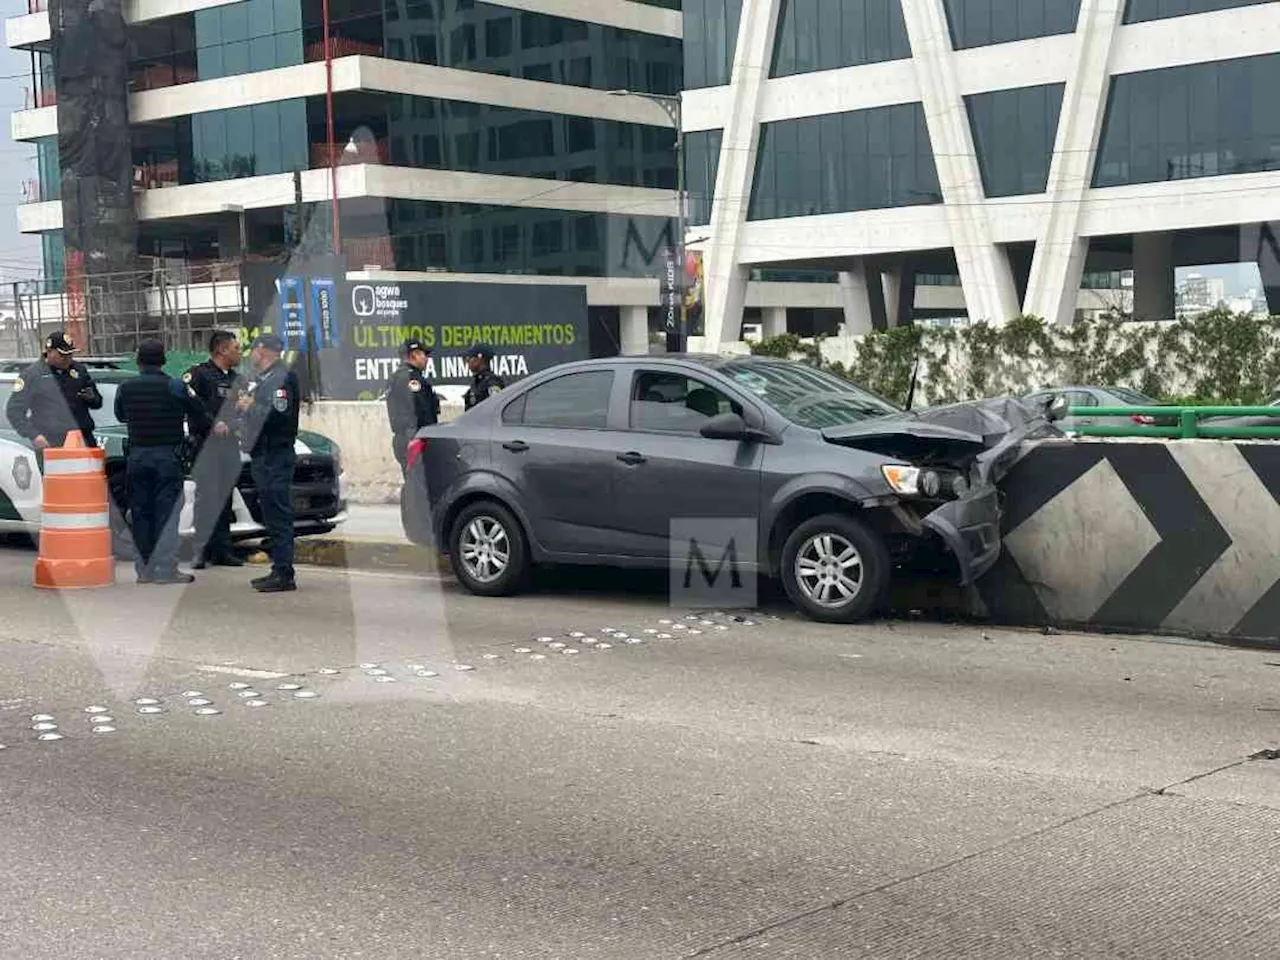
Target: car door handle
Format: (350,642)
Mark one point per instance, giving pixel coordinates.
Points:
(515,446)
(631,458)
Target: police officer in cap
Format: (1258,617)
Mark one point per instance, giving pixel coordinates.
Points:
(217,466)
(269,408)
(483,380)
(154,406)
(53,397)
(411,403)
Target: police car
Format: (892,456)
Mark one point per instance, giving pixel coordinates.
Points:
(319,482)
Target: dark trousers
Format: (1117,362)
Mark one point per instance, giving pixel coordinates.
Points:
(400,447)
(216,473)
(155,500)
(273,478)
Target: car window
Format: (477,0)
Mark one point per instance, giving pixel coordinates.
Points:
(1134,397)
(1079,398)
(674,403)
(807,396)
(576,400)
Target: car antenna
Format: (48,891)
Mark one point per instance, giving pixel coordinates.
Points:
(915,375)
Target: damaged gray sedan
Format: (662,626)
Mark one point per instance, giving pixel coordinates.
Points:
(645,461)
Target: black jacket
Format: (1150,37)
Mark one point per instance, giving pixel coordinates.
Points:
(483,384)
(271,422)
(218,391)
(49,402)
(154,407)
(411,403)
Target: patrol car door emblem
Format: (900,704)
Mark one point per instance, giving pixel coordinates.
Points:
(22,473)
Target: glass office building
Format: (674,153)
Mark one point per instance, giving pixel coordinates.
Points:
(1017,145)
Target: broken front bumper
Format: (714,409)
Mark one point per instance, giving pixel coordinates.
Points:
(970,527)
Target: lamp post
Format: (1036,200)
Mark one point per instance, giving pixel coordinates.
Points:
(673,107)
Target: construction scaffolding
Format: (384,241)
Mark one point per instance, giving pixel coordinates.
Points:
(178,302)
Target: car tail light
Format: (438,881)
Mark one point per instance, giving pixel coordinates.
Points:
(417,448)
(1143,421)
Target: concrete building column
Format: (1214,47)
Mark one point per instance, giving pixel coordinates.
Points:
(774,322)
(899,285)
(1153,277)
(856,301)
(633,323)
(984,269)
(725,282)
(1269,265)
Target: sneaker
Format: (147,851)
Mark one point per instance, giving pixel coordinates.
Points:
(145,579)
(200,564)
(175,578)
(274,584)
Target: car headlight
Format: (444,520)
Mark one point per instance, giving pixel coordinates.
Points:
(337,461)
(911,481)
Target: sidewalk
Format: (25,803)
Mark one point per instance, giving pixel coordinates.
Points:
(369,521)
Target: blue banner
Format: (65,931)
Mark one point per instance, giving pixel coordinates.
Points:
(293,318)
(324,318)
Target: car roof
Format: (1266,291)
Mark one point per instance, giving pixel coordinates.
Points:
(106,376)
(15,365)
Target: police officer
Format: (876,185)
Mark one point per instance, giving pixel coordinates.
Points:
(411,403)
(217,467)
(53,397)
(154,406)
(483,380)
(269,408)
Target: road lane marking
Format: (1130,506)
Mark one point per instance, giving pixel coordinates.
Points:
(242,672)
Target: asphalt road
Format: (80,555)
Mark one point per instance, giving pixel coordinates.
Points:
(770,789)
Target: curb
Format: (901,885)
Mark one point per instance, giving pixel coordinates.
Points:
(320,551)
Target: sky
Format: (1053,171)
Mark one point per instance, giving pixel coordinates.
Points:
(19,254)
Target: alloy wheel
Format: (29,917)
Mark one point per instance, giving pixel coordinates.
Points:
(485,549)
(828,570)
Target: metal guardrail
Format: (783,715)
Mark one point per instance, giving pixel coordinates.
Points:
(1189,426)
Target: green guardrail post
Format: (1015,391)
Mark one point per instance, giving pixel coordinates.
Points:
(1187,420)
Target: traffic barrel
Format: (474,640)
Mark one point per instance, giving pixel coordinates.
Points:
(75,529)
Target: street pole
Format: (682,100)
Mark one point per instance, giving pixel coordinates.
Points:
(244,236)
(673,106)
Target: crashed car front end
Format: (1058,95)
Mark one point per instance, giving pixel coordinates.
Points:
(945,469)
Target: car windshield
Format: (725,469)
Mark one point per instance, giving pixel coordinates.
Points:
(807,396)
(106,417)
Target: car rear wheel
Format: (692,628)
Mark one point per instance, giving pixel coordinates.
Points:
(835,569)
(488,550)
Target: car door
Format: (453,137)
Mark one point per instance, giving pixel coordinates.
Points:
(673,481)
(553,443)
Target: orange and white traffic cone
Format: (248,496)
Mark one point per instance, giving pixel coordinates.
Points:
(75,530)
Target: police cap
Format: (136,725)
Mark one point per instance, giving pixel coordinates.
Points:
(479,350)
(58,340)
(411,346)
(269,341)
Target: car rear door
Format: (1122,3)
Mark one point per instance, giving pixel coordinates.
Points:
(672,481)
(553,443)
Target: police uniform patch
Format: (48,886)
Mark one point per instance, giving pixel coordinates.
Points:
(75,374)
(186,377)
(191,393)
(415,385)
(281,401)
(495,389)
(18,385)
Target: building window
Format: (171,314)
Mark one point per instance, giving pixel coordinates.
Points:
(829,34)
(1141,10)
(701,164)
(837,163)
(710,39)
(1204,120)
(980,23)
(1013,133)
(499,37)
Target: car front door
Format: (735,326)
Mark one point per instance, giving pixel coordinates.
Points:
(553,443)
(673,482)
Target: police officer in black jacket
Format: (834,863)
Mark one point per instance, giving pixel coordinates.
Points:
(154,407)
(483,380)
(53,397)
(269,408)
(411,403)
(217,466)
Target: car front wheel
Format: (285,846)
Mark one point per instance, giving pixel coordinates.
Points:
(488,551)
(835,569)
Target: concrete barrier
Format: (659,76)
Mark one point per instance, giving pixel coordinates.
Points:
(1175,537)
(361,430)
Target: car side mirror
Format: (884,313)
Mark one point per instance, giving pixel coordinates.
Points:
(726,426)
(1057,407)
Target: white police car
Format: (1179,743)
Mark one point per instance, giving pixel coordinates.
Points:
(319,482)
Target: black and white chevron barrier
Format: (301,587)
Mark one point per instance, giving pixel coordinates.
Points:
(1177,537)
